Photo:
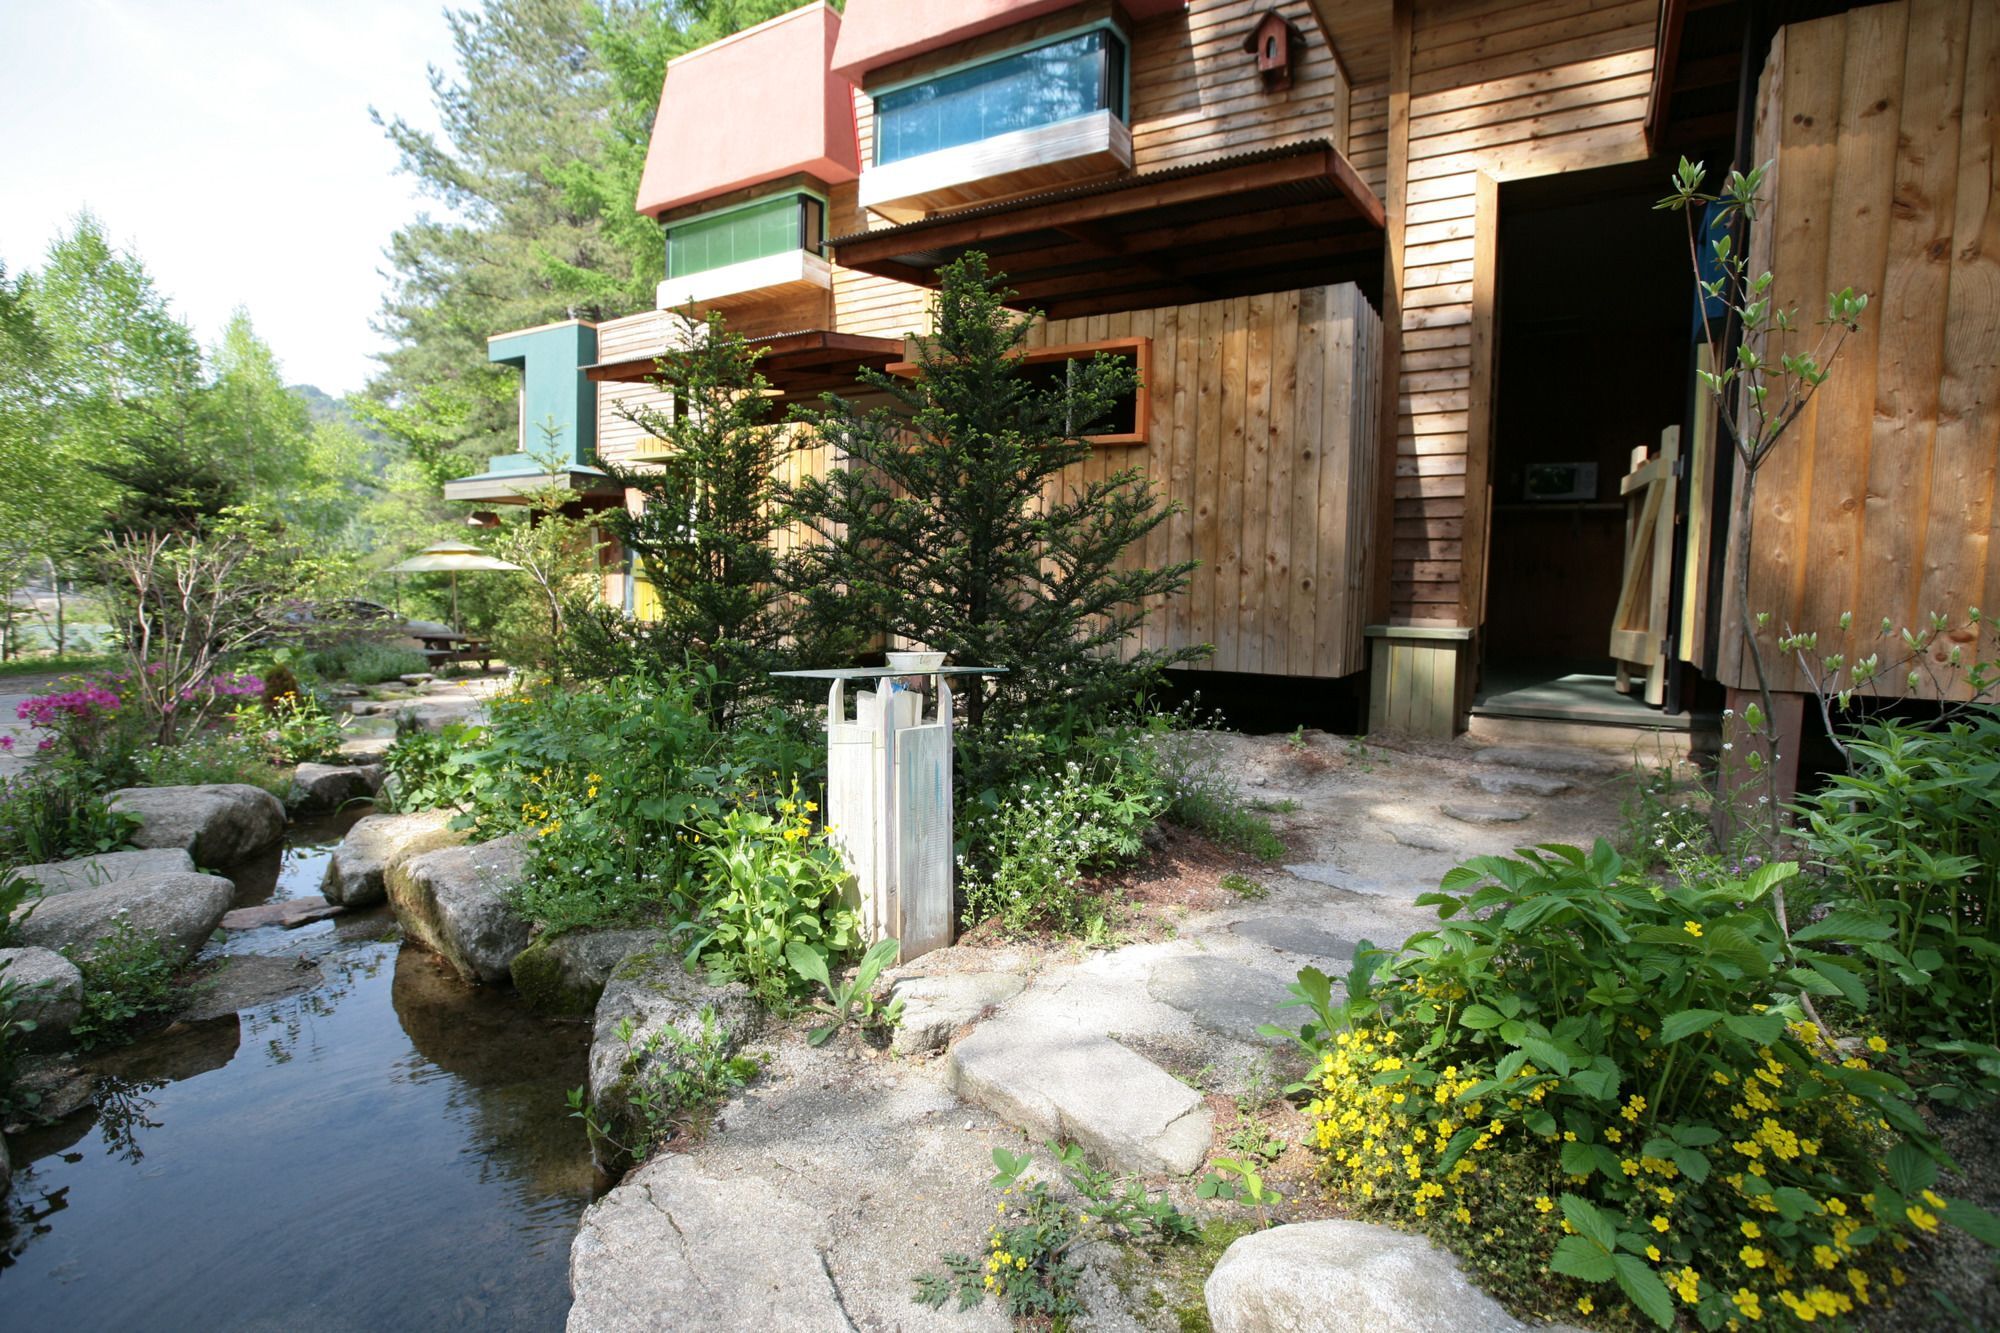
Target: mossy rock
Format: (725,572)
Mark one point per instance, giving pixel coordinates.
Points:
(565,974)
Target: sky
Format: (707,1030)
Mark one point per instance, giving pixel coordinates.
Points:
(228,144)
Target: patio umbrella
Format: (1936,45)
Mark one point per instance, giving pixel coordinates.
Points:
(450,558)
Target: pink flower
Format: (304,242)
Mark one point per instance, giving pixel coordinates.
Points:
(48,743)
(6,744)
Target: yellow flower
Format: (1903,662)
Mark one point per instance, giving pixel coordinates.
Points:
(1877,1045)
(1660,1223)
(1752,1230)
(1585,1304)
(1692,927)
(1653,1253)
(1751,1256)
(1924,1218)
(1747,1304)
(1543,1204)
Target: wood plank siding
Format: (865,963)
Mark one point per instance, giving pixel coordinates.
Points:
(643,334)
(1261,430)
(1883,126)
(1479,91)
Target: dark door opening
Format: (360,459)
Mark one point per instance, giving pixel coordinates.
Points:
(1593,363)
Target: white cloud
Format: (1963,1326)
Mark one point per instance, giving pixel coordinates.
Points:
(227,142)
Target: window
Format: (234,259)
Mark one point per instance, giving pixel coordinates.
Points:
(1059,81)
(751,231)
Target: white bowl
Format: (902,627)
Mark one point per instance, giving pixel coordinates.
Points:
(915,661)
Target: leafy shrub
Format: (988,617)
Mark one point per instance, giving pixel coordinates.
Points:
(293,727)
(1029,851)
(1580,1073)
(1910,842)
(366,662)
(215,754)
(54,813)
(769,884)
(432,770)
(125,977)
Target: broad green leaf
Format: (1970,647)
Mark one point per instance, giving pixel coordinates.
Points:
(1686,1023)
(1638,1281)
(1576,1257)
(1588,1221)
(1974,1221)
(1479,1018)
(1760,1028)
(1847,925)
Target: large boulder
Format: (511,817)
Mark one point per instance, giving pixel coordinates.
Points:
(50,994)
(1346,1277)
(653,991)
(322,787)
(566,974)
(676,1247)
(357,872)
(454,902)
(218,825)
(181,911)
(89,872)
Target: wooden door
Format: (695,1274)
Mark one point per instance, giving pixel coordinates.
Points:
(1639,626)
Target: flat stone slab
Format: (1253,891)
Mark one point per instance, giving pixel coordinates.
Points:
(366,749)
(936,1007)
(1519,782)
(1554,759)
(1423,838)
(89,872)
(1347,1277)
(1292,935)
(291,913)
(245,981)
(1126,1112)
(1220,995)
(1335,877)
(1480,812)
(676,1248)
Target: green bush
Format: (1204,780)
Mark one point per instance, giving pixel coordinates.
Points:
(292,727)
(365,662)
(1029,848)
(55,812)
(125,977)
(1910,846)
(210,756)
(429,770)
(1582,1075)
(1201,797)
(769,882)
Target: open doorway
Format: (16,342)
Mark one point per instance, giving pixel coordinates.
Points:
(1594,346)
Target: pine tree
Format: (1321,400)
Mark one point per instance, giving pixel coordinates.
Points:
(704,533)
(952,523)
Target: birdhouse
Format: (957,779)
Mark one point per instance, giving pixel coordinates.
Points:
(1273,41)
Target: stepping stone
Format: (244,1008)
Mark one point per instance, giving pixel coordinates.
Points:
(1321,872)
(291,913)
(89,872)
(1224,997)
(1474,812)
(417,678)
(366,749)
(1294,936)
(1554,759)
(936,1007)
(1423,839)
(1126,1112)
(1519,782)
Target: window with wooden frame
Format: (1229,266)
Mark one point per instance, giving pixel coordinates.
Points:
(1048,366)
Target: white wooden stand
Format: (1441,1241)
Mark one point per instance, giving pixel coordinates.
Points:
(888,807)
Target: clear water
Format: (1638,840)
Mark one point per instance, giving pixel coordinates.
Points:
(388,1150)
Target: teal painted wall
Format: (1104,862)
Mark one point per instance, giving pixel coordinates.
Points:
(554,389)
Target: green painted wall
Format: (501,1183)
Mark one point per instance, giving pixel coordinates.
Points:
(551,362)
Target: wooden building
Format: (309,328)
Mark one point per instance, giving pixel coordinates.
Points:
(1419,355)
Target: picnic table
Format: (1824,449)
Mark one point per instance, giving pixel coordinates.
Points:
(439,649)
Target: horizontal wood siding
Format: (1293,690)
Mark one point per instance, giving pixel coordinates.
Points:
(1882,124)
(1261,431)
(1509,90)
(1197,94)
(626,339)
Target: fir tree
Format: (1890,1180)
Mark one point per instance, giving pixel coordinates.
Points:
(953,523)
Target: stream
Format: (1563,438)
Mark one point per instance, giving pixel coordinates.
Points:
(389,1149)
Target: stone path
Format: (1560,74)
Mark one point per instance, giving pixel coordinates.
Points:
(889,1156)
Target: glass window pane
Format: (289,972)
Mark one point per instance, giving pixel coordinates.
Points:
(1052,83)
(767,228)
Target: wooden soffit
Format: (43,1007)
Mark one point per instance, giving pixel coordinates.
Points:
(1358,32)
(800,365)
(1273,220)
